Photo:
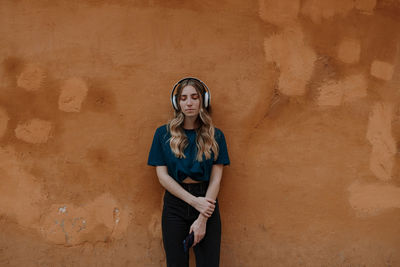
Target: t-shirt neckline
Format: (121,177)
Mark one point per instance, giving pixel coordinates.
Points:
(190,129)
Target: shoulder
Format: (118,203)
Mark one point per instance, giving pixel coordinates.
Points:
(162,131)
(162,128)
(218,133)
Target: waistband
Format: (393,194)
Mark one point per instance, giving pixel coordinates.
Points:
(196,189)
(195,186)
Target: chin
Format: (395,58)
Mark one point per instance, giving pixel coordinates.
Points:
(191,114)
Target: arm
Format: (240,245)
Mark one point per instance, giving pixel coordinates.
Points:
(199,226)
(213,186)
(202,204)
(172,186)
(215,180)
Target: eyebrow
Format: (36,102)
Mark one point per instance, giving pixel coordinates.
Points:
(191,94)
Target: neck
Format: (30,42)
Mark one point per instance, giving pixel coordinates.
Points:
(191,123)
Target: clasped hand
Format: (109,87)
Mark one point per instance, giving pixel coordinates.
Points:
(205,206)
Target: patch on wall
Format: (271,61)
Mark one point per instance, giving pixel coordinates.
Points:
(100,220)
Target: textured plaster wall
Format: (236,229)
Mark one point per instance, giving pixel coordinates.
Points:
(306,92)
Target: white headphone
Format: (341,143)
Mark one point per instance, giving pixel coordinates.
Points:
(206,96)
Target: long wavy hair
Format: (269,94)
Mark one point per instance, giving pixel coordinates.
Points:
(205,141)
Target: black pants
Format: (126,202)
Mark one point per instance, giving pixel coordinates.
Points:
(177,217)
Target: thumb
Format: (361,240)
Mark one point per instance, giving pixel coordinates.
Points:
(191,229)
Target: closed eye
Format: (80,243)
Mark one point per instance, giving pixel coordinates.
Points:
(194,96)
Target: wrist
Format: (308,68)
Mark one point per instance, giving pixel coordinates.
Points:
(202,217)
(192,201)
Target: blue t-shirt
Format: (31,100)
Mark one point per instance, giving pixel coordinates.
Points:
(180,168)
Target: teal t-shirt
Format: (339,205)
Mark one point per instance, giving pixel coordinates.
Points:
(162,155)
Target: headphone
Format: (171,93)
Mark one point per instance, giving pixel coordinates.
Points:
(206,96)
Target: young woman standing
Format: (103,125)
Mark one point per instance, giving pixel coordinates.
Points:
(189,154)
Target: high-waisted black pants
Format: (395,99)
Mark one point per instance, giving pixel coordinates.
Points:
(177,217)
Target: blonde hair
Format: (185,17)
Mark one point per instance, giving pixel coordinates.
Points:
(205,141)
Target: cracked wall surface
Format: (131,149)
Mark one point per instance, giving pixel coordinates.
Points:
(306,93)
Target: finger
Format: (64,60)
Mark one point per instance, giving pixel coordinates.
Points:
(200,238)
(211,200)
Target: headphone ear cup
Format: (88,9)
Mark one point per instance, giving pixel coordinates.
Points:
(206,100)
(174,102)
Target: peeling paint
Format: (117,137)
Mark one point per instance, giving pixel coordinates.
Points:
(62,209)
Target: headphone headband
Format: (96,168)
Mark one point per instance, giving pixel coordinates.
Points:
(206,96)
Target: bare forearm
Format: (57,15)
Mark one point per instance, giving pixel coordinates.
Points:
(215,180)
(214,185)
(174,188)
(213,188)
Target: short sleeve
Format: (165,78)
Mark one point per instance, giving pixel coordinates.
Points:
(223,157)
(156,155)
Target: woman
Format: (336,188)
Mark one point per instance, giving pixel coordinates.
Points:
(189,154)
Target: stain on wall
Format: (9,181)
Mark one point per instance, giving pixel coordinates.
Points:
(306,92)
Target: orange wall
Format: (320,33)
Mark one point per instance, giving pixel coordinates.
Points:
(306,92)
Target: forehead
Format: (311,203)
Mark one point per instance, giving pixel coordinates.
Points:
(188,90)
